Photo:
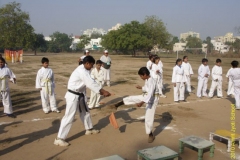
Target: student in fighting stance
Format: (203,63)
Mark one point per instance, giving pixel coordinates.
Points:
(76,100)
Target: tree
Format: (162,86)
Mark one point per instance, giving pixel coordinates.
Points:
(84,40)
(193,42)
(60,42)
(157,31)
(130,37)
(209,44)
(38,42)
(16,31)
(236,45)
(95,35)
(171,43)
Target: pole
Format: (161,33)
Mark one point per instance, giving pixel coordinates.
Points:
(12,59)
(206,54)
(177,54)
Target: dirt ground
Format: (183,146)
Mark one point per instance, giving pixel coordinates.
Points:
(31,134)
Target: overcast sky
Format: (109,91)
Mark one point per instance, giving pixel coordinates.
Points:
(208,17)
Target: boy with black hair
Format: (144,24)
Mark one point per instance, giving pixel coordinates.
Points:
(216,80)
(45,83)
(235,77)
(76,100)
(203,74)
(149,96)
(97,75)
(188,72)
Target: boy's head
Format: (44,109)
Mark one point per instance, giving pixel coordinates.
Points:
(88,62)
(156,59)
(204,61)
(185,58)
(99,64)
(218,62)
(144,73)
(234,64)
(45,62)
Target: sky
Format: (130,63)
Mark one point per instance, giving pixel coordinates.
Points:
(207,17)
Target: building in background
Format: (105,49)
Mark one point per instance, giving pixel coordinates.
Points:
(179,47)
(89,32)
(227,38)
(187,34)
(220,46)
(116,27)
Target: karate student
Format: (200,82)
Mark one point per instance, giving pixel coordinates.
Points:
(216,80)
(188,72)
(76,100)
(106,67)
(157,75)
(150,63)
(86,53)
(230,90)
(97,75)
(149,96)
(45,83)
(234,74)
(203,74)
(178,80)
(5,74)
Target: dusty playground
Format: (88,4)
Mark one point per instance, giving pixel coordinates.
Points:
(31,134)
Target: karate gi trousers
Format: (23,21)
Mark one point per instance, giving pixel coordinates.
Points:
(230,90)
(7,103)
(106,74)
(215,84)
(74,104)
(94,100)
(48,99)
(179,91)
(202,87)
(188,84)
(150,109)
(159,85)
(237,95)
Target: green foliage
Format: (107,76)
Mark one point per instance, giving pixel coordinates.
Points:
(16,31)
(209,44)
(38,43)
(60,42)
(157,31)
(194,42)
(236,45)
(84,40)
(135,36)
(130,37)
(96,35)
(172,42)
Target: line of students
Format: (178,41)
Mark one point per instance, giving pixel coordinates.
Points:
(181,78)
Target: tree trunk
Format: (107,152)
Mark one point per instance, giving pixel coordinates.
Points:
(134,53)
(35,52)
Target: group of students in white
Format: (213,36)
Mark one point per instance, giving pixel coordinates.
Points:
(84,76)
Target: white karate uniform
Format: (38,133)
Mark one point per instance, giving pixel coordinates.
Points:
(106,72)
(45,81)
(95,97)
(216,81)
(150,97)
(230,90)
(187,73)
(178,78)
(157,76)
(202,80)
(6,73)
(82,57)
(234,74)
(78,81)
(149,66)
